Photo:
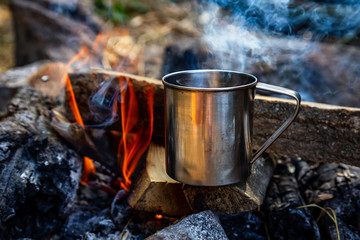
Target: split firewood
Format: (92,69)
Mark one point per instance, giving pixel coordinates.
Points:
(321,132)
(240,197)
(154,191)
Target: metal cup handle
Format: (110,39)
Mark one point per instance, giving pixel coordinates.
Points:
(286,124)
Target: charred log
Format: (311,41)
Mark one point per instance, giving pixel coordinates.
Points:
(337,187)
(247,225)
(283,197)
(39,174)
(90,215)
(133,222)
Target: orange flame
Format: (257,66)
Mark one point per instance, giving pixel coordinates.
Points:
(134,140)
(136,136)
(89,167)
(159,216)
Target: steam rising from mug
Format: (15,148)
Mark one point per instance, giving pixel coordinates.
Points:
(281,41)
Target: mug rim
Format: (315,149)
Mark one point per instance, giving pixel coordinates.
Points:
(231,88)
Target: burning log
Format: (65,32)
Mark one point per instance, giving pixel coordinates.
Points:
(154,191)
(321,133)
(95,104)
(39,174)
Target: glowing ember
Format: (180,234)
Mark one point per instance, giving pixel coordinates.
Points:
(158,216)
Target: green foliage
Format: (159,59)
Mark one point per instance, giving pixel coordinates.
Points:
(119,11)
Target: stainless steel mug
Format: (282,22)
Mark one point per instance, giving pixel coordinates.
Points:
(208,125)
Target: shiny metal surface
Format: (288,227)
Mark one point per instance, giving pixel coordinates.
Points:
(208,125)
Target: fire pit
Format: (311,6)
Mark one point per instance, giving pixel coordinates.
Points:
(82,141)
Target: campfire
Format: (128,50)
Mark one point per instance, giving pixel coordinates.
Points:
(82,133)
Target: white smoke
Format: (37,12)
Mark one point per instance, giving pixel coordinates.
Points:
(287,44)
(237,45)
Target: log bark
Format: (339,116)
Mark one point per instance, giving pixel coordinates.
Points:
(321,132)
(154,191)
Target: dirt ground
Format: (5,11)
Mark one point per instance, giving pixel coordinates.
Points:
(6,38)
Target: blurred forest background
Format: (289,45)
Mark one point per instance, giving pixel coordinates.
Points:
(6,37)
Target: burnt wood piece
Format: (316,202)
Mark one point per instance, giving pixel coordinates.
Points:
(248,225)
(48,29)
(154,191)
(336,186)
(139,224)
(283,197)
(39,174)
(83,142)
(320,133)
